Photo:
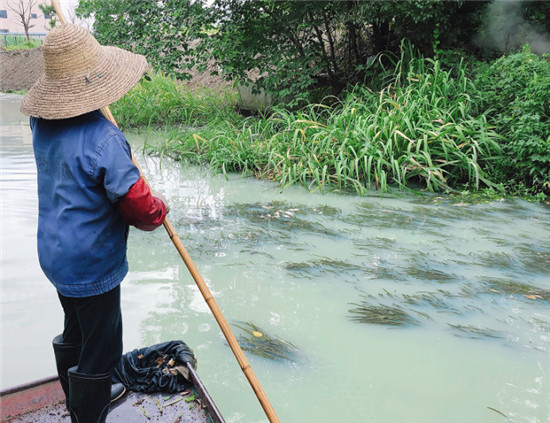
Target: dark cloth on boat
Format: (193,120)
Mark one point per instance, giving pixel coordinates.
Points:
(158,368)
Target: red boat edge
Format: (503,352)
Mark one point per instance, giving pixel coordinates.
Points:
(44,393)
(30,397)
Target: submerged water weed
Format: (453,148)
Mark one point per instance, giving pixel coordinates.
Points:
(512,287)
(476,332)
(483,196)
(376,243)
(260,343)
(385,272)
(534,259)
(280,217)
(381,315)
(429,274)
(401,311)
(381,218)
(326,210)
(424,267)
(430,299)
(326,265)
(496,260)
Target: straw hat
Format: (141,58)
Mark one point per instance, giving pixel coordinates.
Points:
(80,75)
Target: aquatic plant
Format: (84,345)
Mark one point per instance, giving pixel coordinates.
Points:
(376,242)
(324,265)
(259,342)
(498,260)
(280,217)
(430,299)
(429,274)
(534,258)
(381,315)
(476,332)
(424,267)
(512,287)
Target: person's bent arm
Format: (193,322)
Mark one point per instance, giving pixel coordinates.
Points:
(140,208)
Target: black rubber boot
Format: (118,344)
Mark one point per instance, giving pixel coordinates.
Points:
(117,391)
(66,356)
(89,396)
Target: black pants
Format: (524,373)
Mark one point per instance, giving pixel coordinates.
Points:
(95,323)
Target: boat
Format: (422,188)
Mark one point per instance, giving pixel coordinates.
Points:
(43,401)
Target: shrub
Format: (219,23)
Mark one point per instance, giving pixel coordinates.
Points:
(515,89)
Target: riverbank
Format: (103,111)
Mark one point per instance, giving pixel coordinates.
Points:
(430,128)
(19,69)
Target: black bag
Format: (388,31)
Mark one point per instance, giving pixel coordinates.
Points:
(158,368)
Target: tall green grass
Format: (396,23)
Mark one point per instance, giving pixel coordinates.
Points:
(161,101)
(418,131)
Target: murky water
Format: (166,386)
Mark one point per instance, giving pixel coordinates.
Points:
(467,288)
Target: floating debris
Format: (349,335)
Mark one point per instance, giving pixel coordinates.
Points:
(381,315)
(145,413)
(262,344)
(498,412)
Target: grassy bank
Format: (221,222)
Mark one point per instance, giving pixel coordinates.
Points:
(430,128)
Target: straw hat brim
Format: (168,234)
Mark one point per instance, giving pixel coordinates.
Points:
(62,98)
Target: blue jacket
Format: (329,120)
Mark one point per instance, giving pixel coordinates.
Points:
(84,166)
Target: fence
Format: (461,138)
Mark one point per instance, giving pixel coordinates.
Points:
(11,39)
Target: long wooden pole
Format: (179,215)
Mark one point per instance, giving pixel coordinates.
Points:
(207,295)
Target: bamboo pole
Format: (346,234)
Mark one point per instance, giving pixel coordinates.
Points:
(207,295)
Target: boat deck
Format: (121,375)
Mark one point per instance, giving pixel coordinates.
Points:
(132,408)
(43,402)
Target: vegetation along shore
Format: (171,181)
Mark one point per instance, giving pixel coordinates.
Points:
(364,95)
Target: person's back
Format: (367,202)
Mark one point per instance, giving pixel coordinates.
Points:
(81,175)
(89,192)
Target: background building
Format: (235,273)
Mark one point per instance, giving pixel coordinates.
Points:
(11,22)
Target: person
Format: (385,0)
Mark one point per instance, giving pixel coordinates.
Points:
(89,192)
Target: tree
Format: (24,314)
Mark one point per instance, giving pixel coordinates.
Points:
(292,49)
(49,10)
(23,9)
(167,32)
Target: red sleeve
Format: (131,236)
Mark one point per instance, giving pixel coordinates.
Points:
(140,209)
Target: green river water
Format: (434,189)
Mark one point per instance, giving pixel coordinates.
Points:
(471,282)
